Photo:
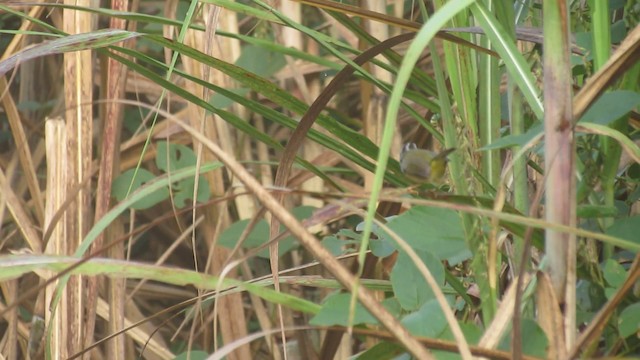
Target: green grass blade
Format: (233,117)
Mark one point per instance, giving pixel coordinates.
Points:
(514,61)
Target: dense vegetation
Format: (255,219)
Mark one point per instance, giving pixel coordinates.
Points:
(208,179)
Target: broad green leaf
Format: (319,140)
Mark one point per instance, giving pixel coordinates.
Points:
(534,341)
(274,93)
(335,311)
(260,234)
(336,246)
(436,230)
(614,273)
(149,188)
(471,332)
(629,320)
(182,192)
(611,106)
(409,285)
(428,321)
(596,211)
(171,157)
(121,186)
(381,247)
(626,228)
(220,101)
(192,355)
(382,351)
(258,60)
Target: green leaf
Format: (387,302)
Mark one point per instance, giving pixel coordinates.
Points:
(148,189)
(514,61)
(626,228)
(471,332)
(222,102)
(596,211)
(409,286)
(183,191)
(258,60)
(381,351)
(260,234)
(439,231)
(614,273)
(121,185)
(335,311)
(428,321)
(193,355)
(381,247)
(611,106)
(171,157)
(534,341)
(515,140)
(629,320)
(336,246)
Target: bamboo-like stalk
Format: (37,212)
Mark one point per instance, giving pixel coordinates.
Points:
(57,159)
(559,151)
(113,86)
(78,91)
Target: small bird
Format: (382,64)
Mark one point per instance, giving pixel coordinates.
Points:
(423,165)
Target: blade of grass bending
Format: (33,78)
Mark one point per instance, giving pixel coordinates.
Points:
(514,61)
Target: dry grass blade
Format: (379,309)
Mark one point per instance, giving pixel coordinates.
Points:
(550,317)
(56,195)
(24,153)
(114,86)
(20,215)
